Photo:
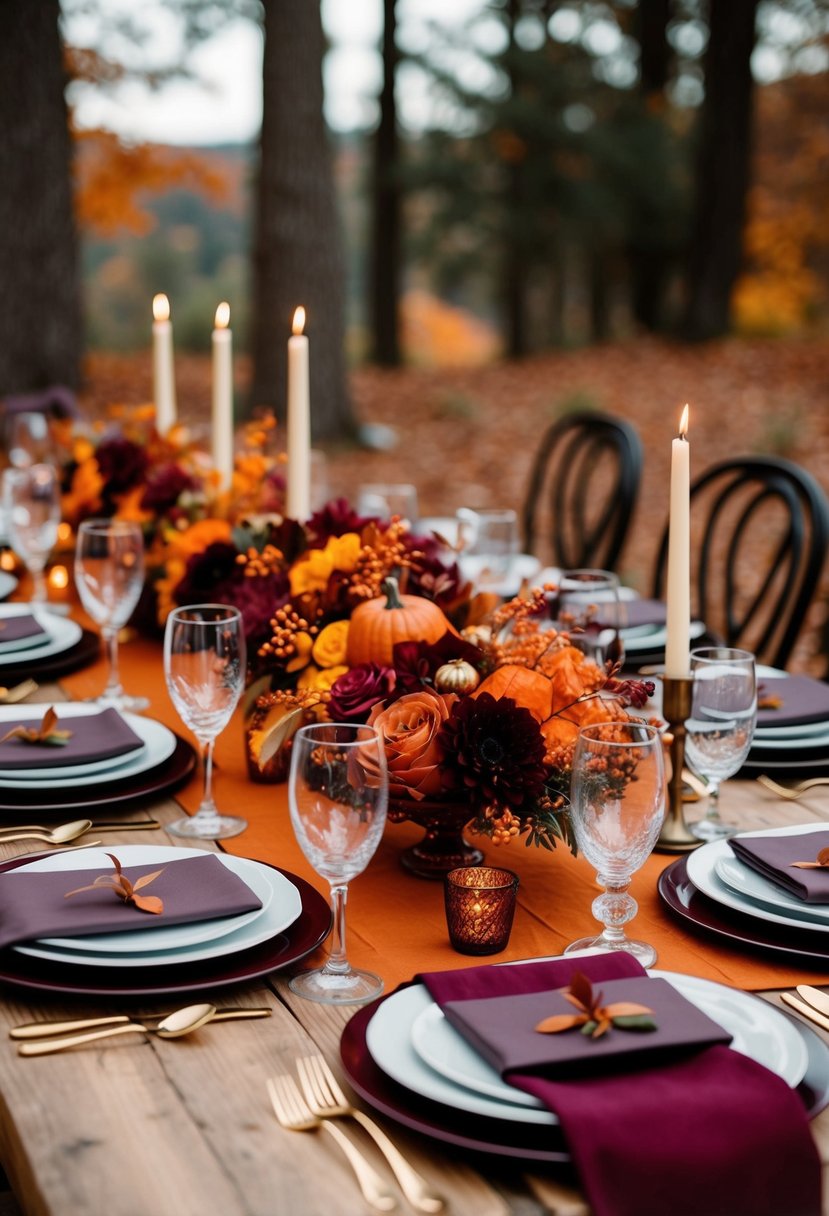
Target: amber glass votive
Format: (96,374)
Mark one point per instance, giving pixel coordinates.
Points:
(480,905)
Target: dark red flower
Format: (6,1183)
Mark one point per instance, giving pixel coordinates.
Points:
(356,692)
(215,577)
(493,748)
(334,519)
(164,487)
(123,464)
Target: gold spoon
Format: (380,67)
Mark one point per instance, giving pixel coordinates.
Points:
(174,1026)
(59,835)
(97,826)
(10,696)
(43,1030)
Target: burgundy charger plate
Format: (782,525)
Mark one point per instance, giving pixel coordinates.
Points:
(680,895)
(504,1137)
(307,932)
(83,652)
(111,792)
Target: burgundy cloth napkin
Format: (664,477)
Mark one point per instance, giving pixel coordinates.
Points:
(772,856)
(94,737)
(15,628)
(804,700)
(710,1134)
(644,612)
(32,905)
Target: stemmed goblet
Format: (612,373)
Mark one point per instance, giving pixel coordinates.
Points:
(109,575)
(587,605)
(720,730)
(204,664)
(31,499)
(338,793)
(617,804)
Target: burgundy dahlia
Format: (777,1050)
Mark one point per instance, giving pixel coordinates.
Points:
(123,464)
(164,487)
(495,749)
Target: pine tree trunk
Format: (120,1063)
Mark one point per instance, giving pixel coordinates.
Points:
(297,249)
(514,283)
(722,169)
(40,321)
(386,210)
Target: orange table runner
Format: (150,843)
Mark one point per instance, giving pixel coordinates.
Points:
(396,923)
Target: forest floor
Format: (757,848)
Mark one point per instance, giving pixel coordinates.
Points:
(467,436)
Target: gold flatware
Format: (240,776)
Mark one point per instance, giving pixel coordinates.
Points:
(805,1010)
(327,1101)
(814,997)
(95,825)
(791,792)
(10,696)
(294,1115)
(59,835)
(174,1026)
(42,1030)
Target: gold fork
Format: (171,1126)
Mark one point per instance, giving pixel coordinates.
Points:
(327,1101)
(293,1114)
(791,792)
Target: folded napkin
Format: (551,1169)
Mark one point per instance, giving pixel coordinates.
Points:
(94,737)
(32,905)
(772,856)
(645,612)
(712,1132)
(14,629)
(804,700)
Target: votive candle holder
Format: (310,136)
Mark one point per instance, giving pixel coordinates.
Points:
(480,906)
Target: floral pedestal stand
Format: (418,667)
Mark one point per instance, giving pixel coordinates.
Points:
(443,848)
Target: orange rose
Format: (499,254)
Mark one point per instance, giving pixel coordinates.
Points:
(409,730)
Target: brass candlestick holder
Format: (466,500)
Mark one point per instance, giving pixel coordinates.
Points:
(677,699)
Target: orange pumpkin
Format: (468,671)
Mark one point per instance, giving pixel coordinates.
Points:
(379,624)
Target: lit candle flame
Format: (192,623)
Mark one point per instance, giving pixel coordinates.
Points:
(161,307)
(299,320)
(683,424)
(59,578)
(222,316)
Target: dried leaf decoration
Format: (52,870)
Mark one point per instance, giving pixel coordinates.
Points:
(126,890)
(45,733)
(820,863)
(594,1018)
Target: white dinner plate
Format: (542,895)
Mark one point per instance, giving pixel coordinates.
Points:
(283,907)
(73,770)
(657,638)
(8,583)
(33,642)
(744,881)
(792,734)
(159,744)
(63,635)
(702,871)
(758,1029)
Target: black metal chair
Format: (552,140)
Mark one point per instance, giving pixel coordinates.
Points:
(765,529)
(587,469)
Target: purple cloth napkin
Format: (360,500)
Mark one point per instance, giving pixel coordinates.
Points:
(94,737)
(772,856)
(33,905)
(644,612)
(24,625)
(804,700)
(710,1134)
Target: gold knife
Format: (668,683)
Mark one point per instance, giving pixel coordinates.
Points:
(814,997)
(807,1011)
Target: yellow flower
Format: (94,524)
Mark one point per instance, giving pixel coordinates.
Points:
(321,681)
(313,570)
(198,536)
(329,648)
(84,494)
(303,643)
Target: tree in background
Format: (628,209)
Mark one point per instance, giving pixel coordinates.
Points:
(297,258)
(40,322)
(386,209)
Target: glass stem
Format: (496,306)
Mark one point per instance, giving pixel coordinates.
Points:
(713,809)
(208,806)
(113,687)
(337,961)
(40,594)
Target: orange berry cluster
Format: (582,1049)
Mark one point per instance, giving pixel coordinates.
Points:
(258,563)
(286,623)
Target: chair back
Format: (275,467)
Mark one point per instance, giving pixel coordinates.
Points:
(583,489)
(764,530)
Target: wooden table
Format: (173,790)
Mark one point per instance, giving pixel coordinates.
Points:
(139,1125)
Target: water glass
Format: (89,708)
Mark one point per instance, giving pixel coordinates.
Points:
(487,543)
(617,805)
(383,501)
(587,605)
(338,795)
(109,576)
(31,501)
(28,439)
(721,727)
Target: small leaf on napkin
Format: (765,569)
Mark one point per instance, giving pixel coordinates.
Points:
(821,862)
(45,733)
(126,890)
(594,1018)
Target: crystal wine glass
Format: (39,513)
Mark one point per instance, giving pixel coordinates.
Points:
(204,663)
(586,604)
(109,575)
(617,804)
(720,729)
(338,792)
(29,440)
(31,499)
(487,545)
